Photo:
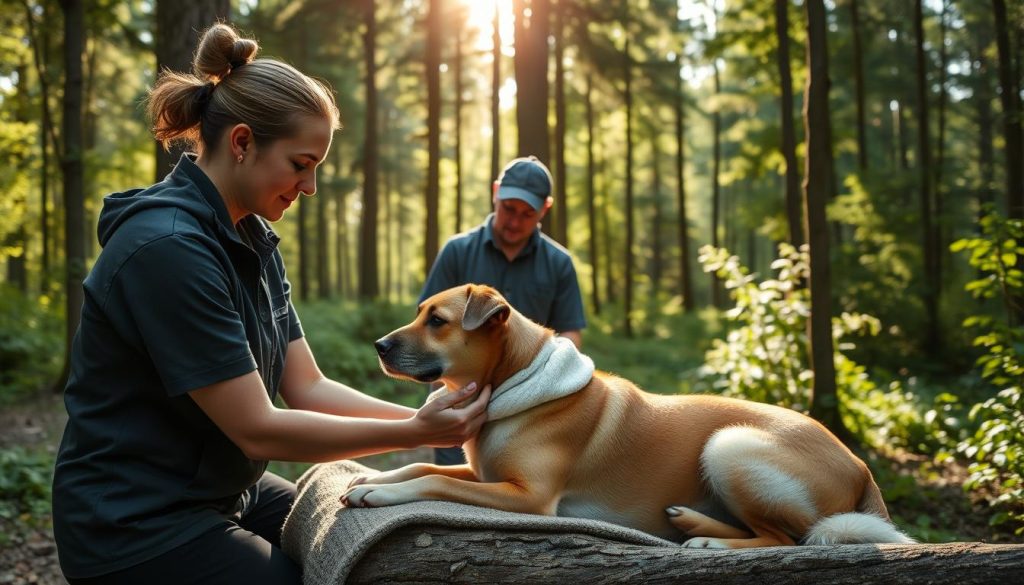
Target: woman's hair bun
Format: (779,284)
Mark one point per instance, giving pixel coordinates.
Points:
(220,50)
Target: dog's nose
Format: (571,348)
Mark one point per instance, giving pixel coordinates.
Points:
(383,345)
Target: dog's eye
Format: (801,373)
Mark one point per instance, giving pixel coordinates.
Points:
(435,321)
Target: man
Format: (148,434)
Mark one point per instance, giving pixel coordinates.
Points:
(509,252)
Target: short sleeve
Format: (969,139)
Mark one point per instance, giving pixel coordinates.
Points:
(567,308)
(173,300)
(444,274)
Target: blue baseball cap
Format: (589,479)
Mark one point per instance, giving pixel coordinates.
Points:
(527,179)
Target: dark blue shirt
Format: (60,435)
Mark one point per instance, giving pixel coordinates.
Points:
(540,282)
(178,299)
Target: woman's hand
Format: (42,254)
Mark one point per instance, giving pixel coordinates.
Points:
(440,425)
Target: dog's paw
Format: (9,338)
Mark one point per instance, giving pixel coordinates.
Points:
(373,495)
(704,542)
(358,480)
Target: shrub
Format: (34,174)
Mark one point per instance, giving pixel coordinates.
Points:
(996,449)
(30,344)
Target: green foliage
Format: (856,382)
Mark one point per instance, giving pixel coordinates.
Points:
(765,357)
(25,479)
(30,344)
(996,449)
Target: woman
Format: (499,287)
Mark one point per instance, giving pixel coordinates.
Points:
(188,334)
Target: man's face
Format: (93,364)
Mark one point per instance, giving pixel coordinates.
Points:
(514,221)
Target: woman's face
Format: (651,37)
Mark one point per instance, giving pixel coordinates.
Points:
(273,176)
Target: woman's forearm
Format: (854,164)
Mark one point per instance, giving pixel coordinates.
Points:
(330,397)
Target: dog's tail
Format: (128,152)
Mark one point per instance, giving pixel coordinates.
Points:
(868,525)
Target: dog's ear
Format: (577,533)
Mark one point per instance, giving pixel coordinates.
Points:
(483,306)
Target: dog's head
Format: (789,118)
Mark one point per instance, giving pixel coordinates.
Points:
(458,336)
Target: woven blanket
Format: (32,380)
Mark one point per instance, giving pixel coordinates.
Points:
(328,539)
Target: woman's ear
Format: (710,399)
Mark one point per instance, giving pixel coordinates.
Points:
(240,139)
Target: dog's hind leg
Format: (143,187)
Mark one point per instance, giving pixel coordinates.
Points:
(692,523)
(741,468)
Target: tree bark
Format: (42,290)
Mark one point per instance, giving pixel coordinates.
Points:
(685,284)
(73,172)
(793,198)
(457,114)
(443,555)
(858,81)
(716,185)
(591,194)
(496,93)
(928,241)
(657,219)
(817,178)
(561,207)
(432,61)
(630,236)
(531,62)
(368,273)
(1011,116)
(178,26)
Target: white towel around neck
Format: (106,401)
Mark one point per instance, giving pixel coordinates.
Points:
(558,371)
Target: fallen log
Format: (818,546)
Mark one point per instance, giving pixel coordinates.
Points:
(431,554)
(444,542)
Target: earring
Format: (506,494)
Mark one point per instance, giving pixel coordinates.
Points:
(240,157)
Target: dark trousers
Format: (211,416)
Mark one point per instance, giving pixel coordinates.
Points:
(241,552)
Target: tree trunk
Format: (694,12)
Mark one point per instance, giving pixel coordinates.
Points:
(716,186)
(656,243)
(685,284)
(630,236)
(341,231)
(305,288)
(432,61)
(443,555)
(72,169)
(928,242)
(1011,116)
(591,194)
(817,178)
(368,274)
(858,81)
(323,272)
(178,26)
(40,41)
(938,192)
(984,123)
(561,207)
(496,93)
(531,62)
(17,267)
(457,64)
(793,199)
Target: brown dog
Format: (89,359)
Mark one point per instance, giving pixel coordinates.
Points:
(563,439)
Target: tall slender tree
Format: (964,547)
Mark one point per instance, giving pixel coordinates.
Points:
(858,84)
(595,292)
(630,233)
(531,65)
(561,208)
(368,272)
(432,62)
(716,180)
(817,178)
(685,282)
(73,172)
(931,286)
(1009,95)
(496,92)
(793,199)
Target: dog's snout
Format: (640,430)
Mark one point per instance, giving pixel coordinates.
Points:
(384,345)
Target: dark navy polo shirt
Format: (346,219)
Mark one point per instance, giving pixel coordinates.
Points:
(177,300)
(540,282)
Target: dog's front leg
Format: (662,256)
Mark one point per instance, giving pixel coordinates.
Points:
(504,495)
(414,470)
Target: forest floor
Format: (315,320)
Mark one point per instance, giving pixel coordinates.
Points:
(927,495)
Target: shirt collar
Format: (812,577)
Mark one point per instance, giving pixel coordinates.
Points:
(528,249)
